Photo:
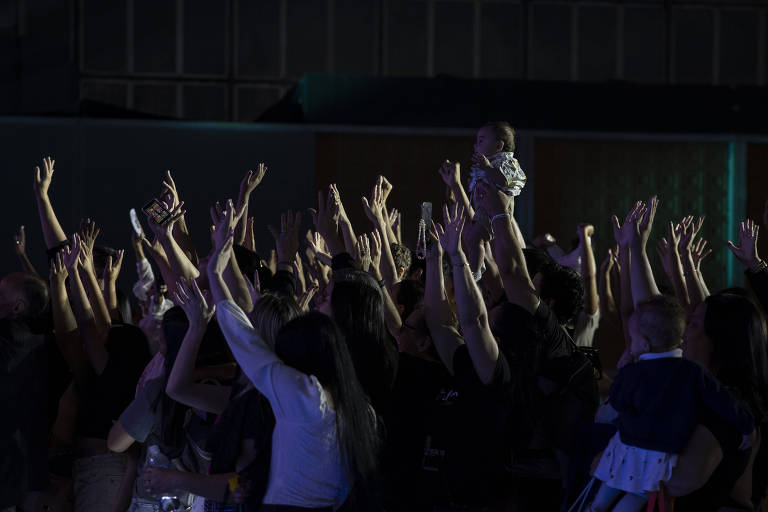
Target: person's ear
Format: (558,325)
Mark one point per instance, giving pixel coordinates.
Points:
(500,146)
(400,272)
(18,307)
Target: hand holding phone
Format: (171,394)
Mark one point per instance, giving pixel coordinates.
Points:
(156,212)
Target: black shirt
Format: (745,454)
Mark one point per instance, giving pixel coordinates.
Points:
(447,433)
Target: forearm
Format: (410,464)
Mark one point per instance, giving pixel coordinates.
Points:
(178,263)
(218,288)
(437,313)
(98,304)
(26,265)
(93,338)
(641,275)
(512,269)
(677,279)
(184,240)
(696,292)
(589,274)
(110,296)
(393,238)
(181,383)
(607,301)
(237,286)
(388,268)
(65,329)
(348,234)
(473,319)
(391,314)
(53,234)
(242,224)
(463,199)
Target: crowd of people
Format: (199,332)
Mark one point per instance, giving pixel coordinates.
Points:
(347,371)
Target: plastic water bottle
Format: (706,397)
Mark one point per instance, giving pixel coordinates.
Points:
(156,458)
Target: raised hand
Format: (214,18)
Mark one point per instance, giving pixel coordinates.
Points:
(434,248)
(71,255)
(386,187)
(645,223)
(481,161)
(450,172)
(169,190)
(624,233)
(374,207)
(112,268)
(42,179)
(59,271)
(746,251)
(325,220)
(699,252)
(89,232)
(336,202)
(287,239)
(305,298)
(224,222)
(689,232)
(364,252)
(20,242)
(254,288)
(667,250)
(198,308)
(252,180)
(450,234)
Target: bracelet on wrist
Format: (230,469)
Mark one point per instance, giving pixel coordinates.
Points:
(382,283)
(500,216)
(288,263)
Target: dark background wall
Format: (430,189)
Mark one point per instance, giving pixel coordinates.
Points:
(232,59)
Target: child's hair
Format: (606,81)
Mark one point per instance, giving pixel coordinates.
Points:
(402,256)
(661,320)
(503,131)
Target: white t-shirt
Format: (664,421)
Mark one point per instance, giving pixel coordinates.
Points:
(306,469)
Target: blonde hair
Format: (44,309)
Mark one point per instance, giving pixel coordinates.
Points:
(270,313)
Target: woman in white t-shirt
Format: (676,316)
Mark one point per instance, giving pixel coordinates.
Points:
(325,440)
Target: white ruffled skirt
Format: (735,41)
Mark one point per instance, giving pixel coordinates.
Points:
(633,469)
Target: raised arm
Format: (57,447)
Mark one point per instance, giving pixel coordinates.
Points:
(386,190)
(64,323)
(233,276)
(247,186)
(53,235)
(473,317)
(88,234)
(180,230)
(755,268)
(451,174)
(507,251)
(696,290)
(588,269)
(94,338)
(374,210)
(372,248)
(111,272)
(179,264)
(181,384)
(326,221)
(20,248)
(669,254)
(634,236)
(605,286)
(345,226)
(437,309)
